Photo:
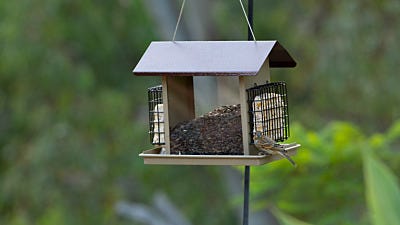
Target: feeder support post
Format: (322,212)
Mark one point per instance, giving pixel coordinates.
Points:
(178,100)
(250,15)
(166,114)
(247,168)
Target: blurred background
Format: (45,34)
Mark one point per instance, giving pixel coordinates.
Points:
(73,118)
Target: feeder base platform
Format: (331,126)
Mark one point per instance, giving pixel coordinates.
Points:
(153,156)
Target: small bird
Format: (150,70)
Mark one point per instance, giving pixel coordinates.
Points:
(270,146)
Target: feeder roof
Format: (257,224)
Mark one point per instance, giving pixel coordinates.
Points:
(211,58)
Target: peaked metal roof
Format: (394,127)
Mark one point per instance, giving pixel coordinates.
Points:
(211,58)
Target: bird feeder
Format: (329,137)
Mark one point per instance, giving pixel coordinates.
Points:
(262,105)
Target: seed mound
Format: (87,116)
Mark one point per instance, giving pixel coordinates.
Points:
(218,132)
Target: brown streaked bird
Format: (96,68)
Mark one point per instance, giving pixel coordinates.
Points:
(270,146)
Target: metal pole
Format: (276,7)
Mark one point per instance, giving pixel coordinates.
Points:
(247,168)
(250,15)
(246,195)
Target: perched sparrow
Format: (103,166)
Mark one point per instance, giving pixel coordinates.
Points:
(270,146)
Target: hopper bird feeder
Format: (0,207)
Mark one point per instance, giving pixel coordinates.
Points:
(262,106)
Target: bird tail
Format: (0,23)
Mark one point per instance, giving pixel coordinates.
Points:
(287,157)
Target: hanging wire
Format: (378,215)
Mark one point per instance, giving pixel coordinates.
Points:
(244,13)
(247,20)
(179,20)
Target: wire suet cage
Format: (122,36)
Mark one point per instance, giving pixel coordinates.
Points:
(156,115)
(268,110)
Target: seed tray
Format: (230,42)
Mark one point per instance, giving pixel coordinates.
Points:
(153,156)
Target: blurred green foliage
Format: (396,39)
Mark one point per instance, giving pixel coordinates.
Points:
(73,118)
(327,186)
(66,119)
(383,192)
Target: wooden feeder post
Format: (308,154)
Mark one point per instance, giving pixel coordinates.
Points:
(177,92)
(246,82)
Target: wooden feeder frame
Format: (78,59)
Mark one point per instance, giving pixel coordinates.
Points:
(246,62)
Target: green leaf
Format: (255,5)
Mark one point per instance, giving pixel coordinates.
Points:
(383,192)
(285,219)
(394,131)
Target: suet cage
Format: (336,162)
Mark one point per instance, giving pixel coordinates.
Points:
(268,110)
(156,115)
